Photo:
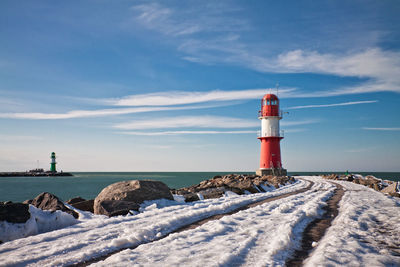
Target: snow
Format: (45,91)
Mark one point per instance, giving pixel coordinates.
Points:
(365,232)
(237,239)
(40,221)
(99,235)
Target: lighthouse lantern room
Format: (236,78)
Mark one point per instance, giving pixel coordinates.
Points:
(270,137)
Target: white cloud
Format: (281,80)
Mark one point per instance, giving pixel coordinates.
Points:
(222,41)
(379,66)
(360,150)
(188,121)
(303,122)
(334,105)
(19,138)
(186,97)
(187,21)
(381,129)
(187,132)
(95,113)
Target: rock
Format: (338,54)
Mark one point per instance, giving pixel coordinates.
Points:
(28,201)
(212,193)
(48,201)
(135,191)
(395,194)
(376,187)
(391,189)
(75,200)
(190,197)
(86,205)
(14,212)
(116,207)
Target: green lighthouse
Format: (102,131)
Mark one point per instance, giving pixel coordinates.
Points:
(53,162)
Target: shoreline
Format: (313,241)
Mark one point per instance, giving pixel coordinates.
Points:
(33,174)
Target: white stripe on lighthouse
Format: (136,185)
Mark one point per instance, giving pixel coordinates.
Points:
(270,126)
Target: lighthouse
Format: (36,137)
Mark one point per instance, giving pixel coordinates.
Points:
(270,137)
(53,162)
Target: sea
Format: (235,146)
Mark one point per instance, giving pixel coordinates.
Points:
(89,184)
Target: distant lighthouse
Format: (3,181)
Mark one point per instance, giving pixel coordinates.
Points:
(53,162)
(270,137)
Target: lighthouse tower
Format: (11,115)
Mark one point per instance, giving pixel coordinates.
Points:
(270,137)
(53,162)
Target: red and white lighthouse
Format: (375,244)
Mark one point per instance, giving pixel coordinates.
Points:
(270,137)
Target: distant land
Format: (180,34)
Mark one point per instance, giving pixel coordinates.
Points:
(35,172)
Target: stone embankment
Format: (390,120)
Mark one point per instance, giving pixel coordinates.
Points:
(385,186)
(237,183)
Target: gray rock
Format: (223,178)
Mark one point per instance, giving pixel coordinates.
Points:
(390,189)
(48,201)
(116,207)
(135,191)
(75,200)
(28,201)
(86,205)
(212,192)
(14,212)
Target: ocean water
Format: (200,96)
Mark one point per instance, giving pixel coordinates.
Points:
(89,184)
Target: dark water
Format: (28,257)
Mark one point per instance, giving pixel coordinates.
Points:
(89,184)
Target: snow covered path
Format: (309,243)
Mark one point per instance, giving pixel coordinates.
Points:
(257,236)
(101,235)
(365,233)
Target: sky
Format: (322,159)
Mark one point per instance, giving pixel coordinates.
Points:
(176,85)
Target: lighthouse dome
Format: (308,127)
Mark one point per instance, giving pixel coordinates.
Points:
(270,97)
(269,105)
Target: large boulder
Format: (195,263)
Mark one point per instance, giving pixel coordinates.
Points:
(48,201)
(14,212)
(135,191)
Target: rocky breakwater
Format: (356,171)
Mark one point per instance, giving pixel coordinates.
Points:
(237,183)
(385,186)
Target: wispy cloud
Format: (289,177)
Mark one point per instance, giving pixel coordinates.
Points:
(381,129)
(95,113)
(360,150)
(186,97)
(298,130)
(214,18)
(188,121)
(381,67)
(187,132)
(222,41)
(8,138)
(302,122)
(334,105)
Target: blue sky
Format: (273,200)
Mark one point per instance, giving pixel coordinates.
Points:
(176,85)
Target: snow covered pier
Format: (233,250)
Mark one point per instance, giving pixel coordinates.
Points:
(364,233)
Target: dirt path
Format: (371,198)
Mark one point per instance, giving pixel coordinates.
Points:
(203,221)
(317,228)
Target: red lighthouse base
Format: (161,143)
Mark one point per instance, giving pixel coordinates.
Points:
(270,159)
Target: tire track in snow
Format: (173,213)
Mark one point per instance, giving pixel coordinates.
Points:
(201,222)
(317,228)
